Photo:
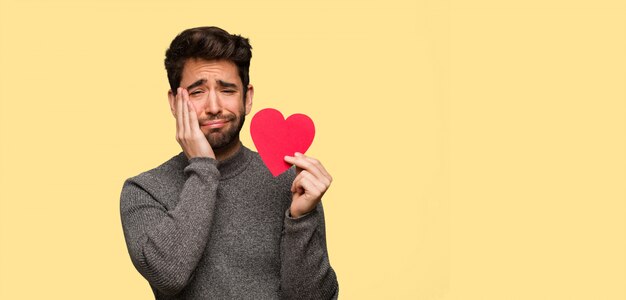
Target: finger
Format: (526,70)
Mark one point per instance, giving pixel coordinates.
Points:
(192,113)
(309,187)
(298,154)
(193,118)
(291,160)
(179,112)
(186,112)
(296,183)
(310,165)
(314,183)
(319,165)
(308,182)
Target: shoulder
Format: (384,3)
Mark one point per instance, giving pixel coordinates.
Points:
(161,179)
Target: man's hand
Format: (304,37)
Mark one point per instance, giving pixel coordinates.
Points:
(188,133)
(310,184)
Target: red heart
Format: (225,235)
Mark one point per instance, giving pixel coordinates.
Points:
(275,137)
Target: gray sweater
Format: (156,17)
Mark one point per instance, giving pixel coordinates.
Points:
(203,229)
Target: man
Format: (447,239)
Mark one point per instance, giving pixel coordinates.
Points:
(212,222)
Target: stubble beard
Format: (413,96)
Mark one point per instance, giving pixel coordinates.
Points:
(223,140)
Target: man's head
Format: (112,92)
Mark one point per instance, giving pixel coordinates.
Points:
(212,65)
(207,43)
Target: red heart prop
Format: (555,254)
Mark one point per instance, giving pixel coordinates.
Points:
(275,137)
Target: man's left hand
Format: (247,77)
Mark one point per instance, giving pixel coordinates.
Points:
(310,184)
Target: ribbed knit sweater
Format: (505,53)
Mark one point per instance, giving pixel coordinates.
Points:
(203,229)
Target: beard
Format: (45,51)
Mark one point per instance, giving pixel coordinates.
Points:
(219,140)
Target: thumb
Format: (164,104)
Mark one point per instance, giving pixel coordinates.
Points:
(292,161)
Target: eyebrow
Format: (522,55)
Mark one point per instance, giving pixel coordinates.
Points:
(226,84)
(202,81)
(197,83)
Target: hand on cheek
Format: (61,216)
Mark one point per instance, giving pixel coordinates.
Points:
(188,133)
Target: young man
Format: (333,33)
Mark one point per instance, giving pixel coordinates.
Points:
(212,222)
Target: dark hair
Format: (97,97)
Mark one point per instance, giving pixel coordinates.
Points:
(207,43)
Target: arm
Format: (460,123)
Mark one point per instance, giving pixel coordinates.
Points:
(305,269)
(166,246)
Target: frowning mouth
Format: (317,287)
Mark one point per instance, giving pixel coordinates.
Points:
(214,123)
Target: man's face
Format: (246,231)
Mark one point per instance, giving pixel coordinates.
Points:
(216,92)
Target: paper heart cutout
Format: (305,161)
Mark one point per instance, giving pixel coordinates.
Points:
(275,137)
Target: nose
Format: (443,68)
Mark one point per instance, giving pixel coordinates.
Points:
(213,106)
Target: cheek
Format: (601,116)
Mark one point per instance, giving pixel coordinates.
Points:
(235,106)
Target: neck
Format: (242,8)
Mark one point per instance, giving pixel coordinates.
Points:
(228,150)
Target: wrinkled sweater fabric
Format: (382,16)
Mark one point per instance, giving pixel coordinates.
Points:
(202,229)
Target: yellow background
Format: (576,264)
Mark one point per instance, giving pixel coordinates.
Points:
(478,147)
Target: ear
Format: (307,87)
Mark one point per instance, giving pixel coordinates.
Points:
(249,96)
(172,100)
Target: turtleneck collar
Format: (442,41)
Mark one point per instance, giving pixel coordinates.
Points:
(235,164)
(231,166)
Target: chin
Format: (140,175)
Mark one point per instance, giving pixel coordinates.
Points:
(219,142)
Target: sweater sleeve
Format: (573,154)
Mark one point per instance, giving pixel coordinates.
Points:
(305,269)
(166,245)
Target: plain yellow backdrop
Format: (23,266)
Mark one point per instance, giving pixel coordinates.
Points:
(478,147)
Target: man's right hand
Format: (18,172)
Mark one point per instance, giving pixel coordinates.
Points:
(188,133)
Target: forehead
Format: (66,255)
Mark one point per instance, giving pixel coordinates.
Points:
(196,68)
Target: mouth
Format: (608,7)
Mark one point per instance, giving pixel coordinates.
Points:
(214,124)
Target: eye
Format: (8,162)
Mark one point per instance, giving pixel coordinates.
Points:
(229,91)
(196,92)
